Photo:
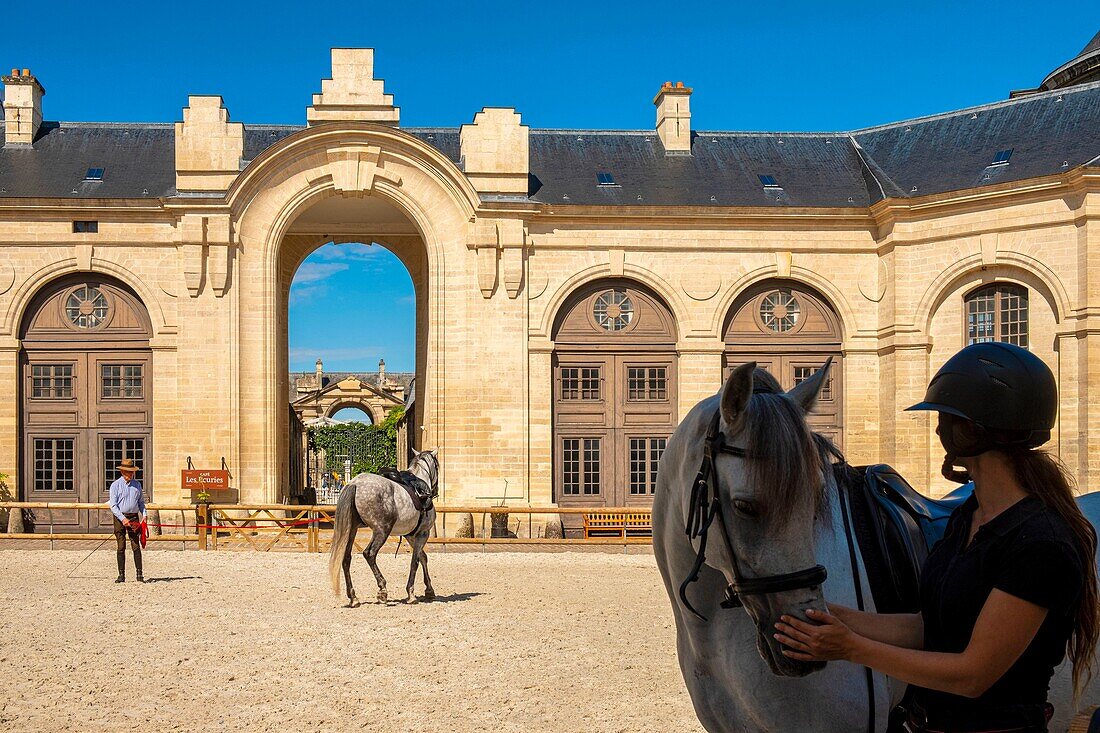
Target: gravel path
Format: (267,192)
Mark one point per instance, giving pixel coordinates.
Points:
(250,641)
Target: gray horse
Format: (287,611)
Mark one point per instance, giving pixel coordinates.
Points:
(385,507)
(778,513)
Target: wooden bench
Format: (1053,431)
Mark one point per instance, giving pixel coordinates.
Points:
(617,524)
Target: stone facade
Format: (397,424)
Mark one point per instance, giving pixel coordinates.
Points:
(492,268)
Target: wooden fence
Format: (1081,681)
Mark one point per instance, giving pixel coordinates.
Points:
(308,528)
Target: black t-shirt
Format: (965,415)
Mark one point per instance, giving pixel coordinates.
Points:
(1028,551)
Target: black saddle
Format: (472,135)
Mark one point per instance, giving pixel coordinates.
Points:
(418,489)
(895,526)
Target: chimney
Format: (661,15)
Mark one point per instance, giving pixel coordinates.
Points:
(381,374)
(674,117)
(319,371)
(22,107)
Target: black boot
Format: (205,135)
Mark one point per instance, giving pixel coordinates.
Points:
(120,558)
(137,565)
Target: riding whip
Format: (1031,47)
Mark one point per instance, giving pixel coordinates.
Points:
(109,537)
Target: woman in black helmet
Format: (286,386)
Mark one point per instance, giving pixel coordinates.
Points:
(1010,590)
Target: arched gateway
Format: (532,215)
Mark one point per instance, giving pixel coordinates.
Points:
(347,182)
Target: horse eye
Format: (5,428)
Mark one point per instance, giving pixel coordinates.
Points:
(745,507)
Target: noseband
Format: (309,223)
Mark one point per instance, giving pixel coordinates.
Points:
(704,507)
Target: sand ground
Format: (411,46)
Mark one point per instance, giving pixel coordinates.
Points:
(245,641)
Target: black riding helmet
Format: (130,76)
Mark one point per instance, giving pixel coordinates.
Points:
(1000,387)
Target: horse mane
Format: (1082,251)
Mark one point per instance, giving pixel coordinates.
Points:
(788,460)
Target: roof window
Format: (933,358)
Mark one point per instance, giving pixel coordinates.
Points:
(605,179)
(1001,158)
(94,174)
(768,181)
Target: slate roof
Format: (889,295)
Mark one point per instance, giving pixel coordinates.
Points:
(1047,132)
(1081,68)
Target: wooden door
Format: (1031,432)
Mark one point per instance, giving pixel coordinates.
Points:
(614,395)
(86,398)
(791,331)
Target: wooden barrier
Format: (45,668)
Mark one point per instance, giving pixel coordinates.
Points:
(298,527)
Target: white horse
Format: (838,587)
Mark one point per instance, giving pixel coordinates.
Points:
(776,516)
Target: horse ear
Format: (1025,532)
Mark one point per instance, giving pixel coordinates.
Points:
(805,393)
(736,393)
(415,452)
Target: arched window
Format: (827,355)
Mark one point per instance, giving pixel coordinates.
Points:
(997,313)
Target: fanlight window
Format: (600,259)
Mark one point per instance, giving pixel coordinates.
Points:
(613,310)
(780,311)
(86,307)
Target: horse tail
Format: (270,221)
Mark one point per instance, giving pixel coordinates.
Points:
(343,533)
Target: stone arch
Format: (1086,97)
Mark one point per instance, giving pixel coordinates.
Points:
(643,276)
(352,160)
(44,276)
(1010,267)
(800,276)
(357,404)
(941,318)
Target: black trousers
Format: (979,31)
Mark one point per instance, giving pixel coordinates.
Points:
(120,544)
(1006,719)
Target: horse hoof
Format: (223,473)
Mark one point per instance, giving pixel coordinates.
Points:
(383,596)
(429,595)
(411,599)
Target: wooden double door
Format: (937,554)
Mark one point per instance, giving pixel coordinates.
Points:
(790,330)
(790,369)
(613,414)
(86,398)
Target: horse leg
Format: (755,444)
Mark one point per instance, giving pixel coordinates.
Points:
(413,562)
(378,538)
(353,601)
(429,591)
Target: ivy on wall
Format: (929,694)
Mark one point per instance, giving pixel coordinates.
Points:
(369,447)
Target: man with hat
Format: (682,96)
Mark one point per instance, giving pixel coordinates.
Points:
(128,506)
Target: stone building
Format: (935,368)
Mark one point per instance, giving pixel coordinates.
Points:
(321,394)
(577,291)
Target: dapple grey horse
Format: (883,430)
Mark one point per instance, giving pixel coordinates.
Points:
(385,507)
(778,513)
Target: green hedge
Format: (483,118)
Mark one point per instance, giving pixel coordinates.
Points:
(370,447)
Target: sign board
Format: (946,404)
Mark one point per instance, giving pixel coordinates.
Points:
(212,480)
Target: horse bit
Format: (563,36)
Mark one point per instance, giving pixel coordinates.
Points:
(701,512)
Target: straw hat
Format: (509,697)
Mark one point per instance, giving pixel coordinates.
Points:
(127,465)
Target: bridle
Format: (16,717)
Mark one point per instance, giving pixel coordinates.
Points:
(431,468)
(705,505)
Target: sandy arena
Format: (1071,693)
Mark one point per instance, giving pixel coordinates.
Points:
(246,641)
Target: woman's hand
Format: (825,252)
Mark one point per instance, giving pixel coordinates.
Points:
(829,639)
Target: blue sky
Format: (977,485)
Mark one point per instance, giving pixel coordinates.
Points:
(793,65)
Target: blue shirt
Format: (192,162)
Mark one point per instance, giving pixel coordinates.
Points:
(126,498)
